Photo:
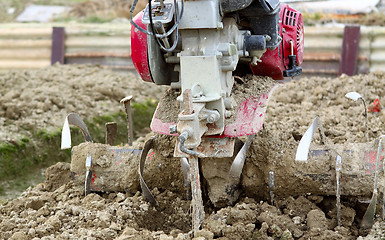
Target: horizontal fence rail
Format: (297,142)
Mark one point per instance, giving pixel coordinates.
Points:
(108,45)
(31,45)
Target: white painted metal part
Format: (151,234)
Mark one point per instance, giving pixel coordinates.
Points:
(353,95)
(66,135)
(237,165)
(207,60)
(304,144)
(76,120)
(200,14)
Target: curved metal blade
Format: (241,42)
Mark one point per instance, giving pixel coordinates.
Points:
(87,182)
(368,218)
(66,135)
(88,179)
(239,161)
(145,190)
(76,120)
(186,176)
(304,144)
(186,170)
(353,95)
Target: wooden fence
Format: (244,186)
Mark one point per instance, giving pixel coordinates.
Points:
(37,45)
(329,51)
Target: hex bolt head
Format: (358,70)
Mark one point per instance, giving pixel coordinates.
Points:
(173,129)
(211,119)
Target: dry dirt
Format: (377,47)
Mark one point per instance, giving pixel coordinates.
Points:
(58,210)
(41,98)
(105,9)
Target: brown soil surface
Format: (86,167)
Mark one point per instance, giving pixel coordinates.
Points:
(60,211)
(105,9)
(40,99)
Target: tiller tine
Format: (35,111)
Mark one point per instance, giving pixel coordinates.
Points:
(76,120)
(355,96)
(368,218)
(239,161)
(304,145)
(237,167)
(87,182)
(145,190)
(186,176)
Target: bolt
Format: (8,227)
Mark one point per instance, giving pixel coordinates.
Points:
(127,105)
(173,129)
(211,119)
(228,114)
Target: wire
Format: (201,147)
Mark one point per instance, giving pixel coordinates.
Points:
(172,48)
(152,33)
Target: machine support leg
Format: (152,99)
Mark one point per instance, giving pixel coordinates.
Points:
(198,212)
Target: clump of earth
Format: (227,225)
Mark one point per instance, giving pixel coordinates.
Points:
(58,209)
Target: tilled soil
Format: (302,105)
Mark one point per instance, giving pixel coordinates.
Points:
(58,210)
(41,98)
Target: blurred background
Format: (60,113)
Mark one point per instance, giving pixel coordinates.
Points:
(368,12)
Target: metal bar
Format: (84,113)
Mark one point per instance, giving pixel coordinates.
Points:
(111,132)
(198,212)
(127,105)
(57,48)
(350,47)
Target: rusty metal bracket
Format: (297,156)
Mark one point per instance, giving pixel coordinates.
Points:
(210,147)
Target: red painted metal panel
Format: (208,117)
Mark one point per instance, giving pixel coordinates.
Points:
(249,118)
(139,49)
(275,61)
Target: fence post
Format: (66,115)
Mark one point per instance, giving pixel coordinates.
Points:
(57,48)
(350,47)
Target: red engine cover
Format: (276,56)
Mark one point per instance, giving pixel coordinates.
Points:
(139,49)
(274,62)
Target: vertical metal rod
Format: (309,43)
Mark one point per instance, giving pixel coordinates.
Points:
(383,189)
(366,120)
(271,186)
(338,192)
(198,212)
(349,50)
(186,176)
(111,132)
(292,52)
(127,105)
(58,45)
